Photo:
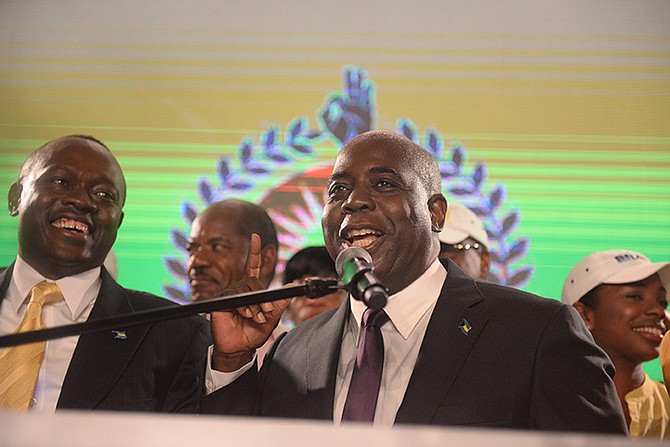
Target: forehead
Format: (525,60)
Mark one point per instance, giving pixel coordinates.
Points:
(376,154)
(219,223)
(652,283)
(82,155)
(653,280)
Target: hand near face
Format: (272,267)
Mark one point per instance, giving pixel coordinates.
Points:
(237,333)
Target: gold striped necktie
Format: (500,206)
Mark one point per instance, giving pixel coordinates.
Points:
(20,365)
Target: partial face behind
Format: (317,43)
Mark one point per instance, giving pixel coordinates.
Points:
(302,308)
(217,253)
(69,206)
(627,320)
(376,201)
(473,261)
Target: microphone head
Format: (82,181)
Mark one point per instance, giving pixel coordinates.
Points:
(348,254)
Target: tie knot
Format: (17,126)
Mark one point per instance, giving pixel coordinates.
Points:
(45,293)
(374,317)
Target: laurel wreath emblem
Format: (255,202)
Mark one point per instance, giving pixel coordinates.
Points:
(343,115)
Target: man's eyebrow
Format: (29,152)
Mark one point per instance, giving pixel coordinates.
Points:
(337,176)
(384,170)
(104,179)
(212,240)
(374,170)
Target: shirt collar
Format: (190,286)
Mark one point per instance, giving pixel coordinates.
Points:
(406,307)
(73,287)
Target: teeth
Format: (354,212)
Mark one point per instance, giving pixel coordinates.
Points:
(650,330)
(361,233)
(71,224)
(362,238)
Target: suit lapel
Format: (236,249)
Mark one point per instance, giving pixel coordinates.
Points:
(445,347)
(100,358)
(322,362)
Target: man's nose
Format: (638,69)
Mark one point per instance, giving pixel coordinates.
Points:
(80,199)
(199,257)
(359,199)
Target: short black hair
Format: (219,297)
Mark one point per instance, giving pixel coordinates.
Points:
(591,298)
(254,219)
(312,261)
(27,165)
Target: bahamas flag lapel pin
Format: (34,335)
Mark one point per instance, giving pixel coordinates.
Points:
(120,335)
(465,327)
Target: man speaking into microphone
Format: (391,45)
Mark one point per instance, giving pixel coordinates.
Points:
(444,350)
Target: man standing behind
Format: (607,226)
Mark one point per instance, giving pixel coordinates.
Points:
(219,244)
(218,247)
(69,198)
(464,240)
(452,351)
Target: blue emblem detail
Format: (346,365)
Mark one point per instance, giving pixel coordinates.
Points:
(465,327)
(121,335)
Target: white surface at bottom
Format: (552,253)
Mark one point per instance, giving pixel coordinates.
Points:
(100,429)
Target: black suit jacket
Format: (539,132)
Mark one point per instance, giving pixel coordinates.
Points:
(158,367)
(527,363)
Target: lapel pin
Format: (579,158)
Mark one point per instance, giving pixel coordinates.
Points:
(465,326)
(121,335)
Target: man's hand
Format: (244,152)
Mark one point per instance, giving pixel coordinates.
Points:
(237,333)
(349,113)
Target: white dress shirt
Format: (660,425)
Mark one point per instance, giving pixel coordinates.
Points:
(80,292)
(409,312)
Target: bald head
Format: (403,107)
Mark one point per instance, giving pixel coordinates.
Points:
(415,157)
(246,218)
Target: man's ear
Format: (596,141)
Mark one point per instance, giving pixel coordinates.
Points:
(268,263)
(438,210)
(14,198)
(586,313)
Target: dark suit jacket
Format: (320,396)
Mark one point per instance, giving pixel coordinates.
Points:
(527,363)
(158,367)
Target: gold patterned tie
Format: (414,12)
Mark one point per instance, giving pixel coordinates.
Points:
(20,365)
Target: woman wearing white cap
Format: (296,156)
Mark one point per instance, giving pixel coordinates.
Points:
(622,297)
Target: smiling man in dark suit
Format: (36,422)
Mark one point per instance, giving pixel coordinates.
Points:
(455,351)
(68,199)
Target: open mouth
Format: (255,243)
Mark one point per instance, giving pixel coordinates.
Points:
(652,333)
(71,225)
(362,238)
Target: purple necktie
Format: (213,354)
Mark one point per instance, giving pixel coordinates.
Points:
(366,378)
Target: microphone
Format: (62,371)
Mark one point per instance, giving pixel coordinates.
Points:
(354,265)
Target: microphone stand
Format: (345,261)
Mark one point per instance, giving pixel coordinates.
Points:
(312,288)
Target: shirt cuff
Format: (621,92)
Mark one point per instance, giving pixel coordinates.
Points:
(215,380)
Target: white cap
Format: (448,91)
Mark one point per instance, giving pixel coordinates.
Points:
(460,224)
(611,267)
